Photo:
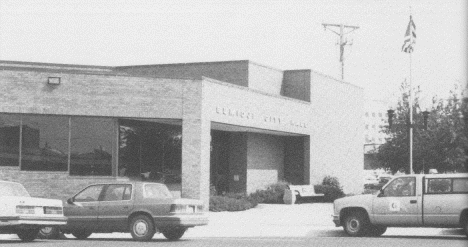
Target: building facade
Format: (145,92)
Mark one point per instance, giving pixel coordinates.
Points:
(237,126)
(375,121)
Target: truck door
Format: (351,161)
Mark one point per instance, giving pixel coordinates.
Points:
(397,204)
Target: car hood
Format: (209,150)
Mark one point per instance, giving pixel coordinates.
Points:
(30,201)
(354,201)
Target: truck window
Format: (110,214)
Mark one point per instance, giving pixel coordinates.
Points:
(439,185)
(404,186)
(460,185)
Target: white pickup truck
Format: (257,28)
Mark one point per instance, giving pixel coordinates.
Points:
(435,200)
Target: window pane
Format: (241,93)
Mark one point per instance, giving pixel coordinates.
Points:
(89,194)
(117,192)
(91,146)
(156,191)
(401,187)
(9,140)
(442,185)
(44,143)
(460,185)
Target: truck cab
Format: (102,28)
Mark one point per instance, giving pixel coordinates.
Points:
(436,200)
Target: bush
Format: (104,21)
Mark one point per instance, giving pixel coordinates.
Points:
(331,181)
(331,193)
(272,195)
(231,202)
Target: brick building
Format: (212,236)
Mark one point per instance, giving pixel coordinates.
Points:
(236,125)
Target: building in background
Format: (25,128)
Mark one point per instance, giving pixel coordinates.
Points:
(236,125)
(375,121)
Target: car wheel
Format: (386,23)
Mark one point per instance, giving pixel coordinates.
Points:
(142,228)
(377,231)
(174,233)
(28,235)
(81,234)
(356,224)
(49,232)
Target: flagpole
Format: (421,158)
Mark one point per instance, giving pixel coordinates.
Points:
(410,119)
(410,110)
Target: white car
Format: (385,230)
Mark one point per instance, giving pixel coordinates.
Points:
(24,215)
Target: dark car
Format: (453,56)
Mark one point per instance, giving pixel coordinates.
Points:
(141,208)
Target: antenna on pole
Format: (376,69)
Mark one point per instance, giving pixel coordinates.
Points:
(342,41)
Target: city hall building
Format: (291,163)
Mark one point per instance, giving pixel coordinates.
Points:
(235,126)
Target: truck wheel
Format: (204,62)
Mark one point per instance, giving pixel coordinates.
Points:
(49,232)
(376,231)
(81,234)
(356,224)
(28,235)
(142,228)
(174,233)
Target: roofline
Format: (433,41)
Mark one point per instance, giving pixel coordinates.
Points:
(7,63)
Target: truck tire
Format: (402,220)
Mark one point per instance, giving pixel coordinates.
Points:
(356,224)
(28,235)
(142,228)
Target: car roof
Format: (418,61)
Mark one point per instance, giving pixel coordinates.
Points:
(133,182)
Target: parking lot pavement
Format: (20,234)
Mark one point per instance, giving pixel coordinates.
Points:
(280,220)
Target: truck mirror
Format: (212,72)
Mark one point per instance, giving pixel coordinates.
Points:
(381,193)
(70,200)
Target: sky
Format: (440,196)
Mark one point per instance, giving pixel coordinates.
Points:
(282,34)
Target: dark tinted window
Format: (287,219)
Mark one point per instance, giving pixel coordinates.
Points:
(439,185)
(91,146)
(9,140)
(405,186)
(44,143)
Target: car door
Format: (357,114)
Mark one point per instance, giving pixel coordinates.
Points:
(115,206)
(397,204)
(82,210)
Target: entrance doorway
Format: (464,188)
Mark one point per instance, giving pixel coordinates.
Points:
(150,151)
(219,161)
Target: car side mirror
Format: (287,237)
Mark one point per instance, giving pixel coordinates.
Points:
(70,201)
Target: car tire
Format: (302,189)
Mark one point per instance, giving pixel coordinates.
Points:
(142,228)
(376,231)
(81,234)
(49,232)
(174,233)
(356,224)
(28,235)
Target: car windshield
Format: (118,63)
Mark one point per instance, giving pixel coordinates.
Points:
(156,191)
(13,189)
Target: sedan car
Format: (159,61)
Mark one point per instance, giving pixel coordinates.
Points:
(24,215)
(141,208)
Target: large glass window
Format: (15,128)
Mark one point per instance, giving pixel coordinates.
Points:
(90,194)
(91,146)
(438,186)
(460,185)
(44,143)
(9,140)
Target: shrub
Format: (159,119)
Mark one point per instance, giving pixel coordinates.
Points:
(231,202)
(331,181)
(331,193)
(273,194)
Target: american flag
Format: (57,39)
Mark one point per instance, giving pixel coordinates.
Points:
(410,37)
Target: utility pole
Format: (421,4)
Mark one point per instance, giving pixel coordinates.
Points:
(343,41)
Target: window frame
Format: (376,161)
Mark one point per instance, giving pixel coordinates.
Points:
(426,189)
(104,192)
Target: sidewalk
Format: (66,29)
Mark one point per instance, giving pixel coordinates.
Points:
(281,220)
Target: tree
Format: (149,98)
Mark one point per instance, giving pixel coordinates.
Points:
(443,146)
